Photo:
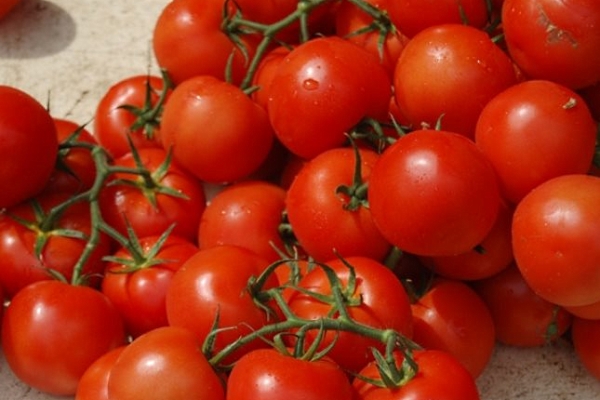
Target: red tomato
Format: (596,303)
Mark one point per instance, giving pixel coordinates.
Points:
(440,376)
(554,232)
(113,124)
(326,222)
(138,288)
(167,364)
(93,384)
(331,84)
(438,65)
(170,196)
(434,193)
(452,317)
(383,304)
(215,130)
(534,131)
(52,332)
(521,317)
(265,72)
(557,40)
(29,143)
(269,374)
(584,334)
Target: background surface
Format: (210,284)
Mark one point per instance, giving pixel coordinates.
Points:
(67,53)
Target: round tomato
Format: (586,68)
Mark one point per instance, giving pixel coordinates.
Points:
(264,74)
(554,233)
(93,384)
(46,322)
(29,146)
(433,193)
(215,130)
(584,334)
(557,40)
(534,131)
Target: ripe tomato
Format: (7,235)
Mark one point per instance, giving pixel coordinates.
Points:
(440,376)
(52,332)
(288,378)
(434,193)
(383,304)
(138,288)
(113,124)
(93,384)
(331,84)
(521,317)
(325,221)
(264,74)
(29,143)
(584,334)
(554,233)
(438,65)
(557,40)
(165,363)
(534,131)
(215,130)
(171,196)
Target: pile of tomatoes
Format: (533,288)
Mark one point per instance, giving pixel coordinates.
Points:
(317,199)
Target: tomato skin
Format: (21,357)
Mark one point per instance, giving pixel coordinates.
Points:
(93,384)
(554,230)
(268,374)
(584,334)
(556,40)
(7,6)
(64,316)
(264,74)
(28,138)
(215,130)
(440,376)
(433,193)
(534,131)
(165,363)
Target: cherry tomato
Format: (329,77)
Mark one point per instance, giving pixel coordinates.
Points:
(93,384)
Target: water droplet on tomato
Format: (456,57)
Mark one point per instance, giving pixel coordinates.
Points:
(310,84)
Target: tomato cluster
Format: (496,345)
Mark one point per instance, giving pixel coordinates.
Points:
(317,199)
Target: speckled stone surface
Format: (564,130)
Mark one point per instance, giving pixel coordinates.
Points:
(67,53)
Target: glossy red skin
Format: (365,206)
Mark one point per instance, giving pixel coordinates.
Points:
(28,139)
(557,40)
(433,193)
(438,65)
(20,266)
(264,74)
(139,296)
(331,84)
(440,376)
(93,384)
(521,317)
(385,304)
(584,334)
(534,131)
(215,130)
(123,204)
(165,363)
(554,230)
(66,317)
(317,215)
(252,206)
(269,374)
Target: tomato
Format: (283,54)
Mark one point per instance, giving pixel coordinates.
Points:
(438,65)
(265,72)
(150,205)
(521,317)
(534,131)
(555,40)
(93,384)
(43,325)
(115,125)
(138,287)
(325,221)
(554,230)
(440,376)
(383,304)
(331,84)
(269,374)
(452,317)
(433,193)
(32,247)
(165,363)
(252,206)
(215,131)
(214,282)
(584,334)
(6,6)
(29,143)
